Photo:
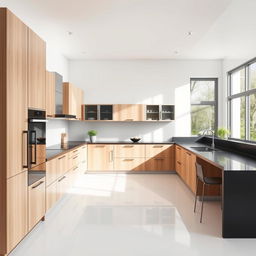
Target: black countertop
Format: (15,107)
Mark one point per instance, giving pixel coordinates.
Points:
(229,161)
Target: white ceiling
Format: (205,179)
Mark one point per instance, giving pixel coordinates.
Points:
(143,29)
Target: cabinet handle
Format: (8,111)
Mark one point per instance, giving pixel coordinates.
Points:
(75,157)
(64,177)
(61,157)
(159,159)
(129,119)
(35,153)
(27,150)
(100,146)
(157,146)
(128,146)
(37,185)
(75,151)
(188,153)
(130,159)
(178,162)
(75,168)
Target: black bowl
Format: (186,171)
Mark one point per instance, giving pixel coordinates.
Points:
(135,139)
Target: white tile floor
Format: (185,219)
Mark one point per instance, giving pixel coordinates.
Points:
(131,215)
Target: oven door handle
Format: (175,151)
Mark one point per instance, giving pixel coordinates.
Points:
(27,149)
(35,145)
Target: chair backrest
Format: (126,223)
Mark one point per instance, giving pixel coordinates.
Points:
(199,171)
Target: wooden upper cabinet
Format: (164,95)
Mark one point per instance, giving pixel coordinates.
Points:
(50,93)
(128,112)
(36,71)
(72,100)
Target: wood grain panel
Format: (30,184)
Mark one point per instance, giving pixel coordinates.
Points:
(159,164)
(36,71)
(100,157)
(17,209)
(51,195)
(130,164)
(51,171)
(156,149)
(128,112)
(36,202)
(50,93)
(129,150)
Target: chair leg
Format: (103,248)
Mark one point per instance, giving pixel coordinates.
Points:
(196,194)
(202,207)
(220,197)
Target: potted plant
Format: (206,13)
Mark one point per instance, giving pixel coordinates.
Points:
(92,134)
(223,133)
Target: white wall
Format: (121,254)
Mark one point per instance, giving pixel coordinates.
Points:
(56,62)
(139,81)
(54,128)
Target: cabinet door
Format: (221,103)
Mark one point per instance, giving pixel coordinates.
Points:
(129,151)
(130,164)
(62,185)
(128,112)
(36,202)
(51,171)
(51,195)
(16,93)
(50,93)
(159,164)
(62,165)
(69,99)
(79,102)
(157,150)
(100,157)
(36,71)
(17,209)
(178,152)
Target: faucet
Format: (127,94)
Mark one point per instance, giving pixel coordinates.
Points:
(212,132)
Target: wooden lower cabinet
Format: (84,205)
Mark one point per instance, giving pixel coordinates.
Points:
(130,164)
(190,170)
(100,157)
(17,209)
(62,185)
(62,165)
(51,195)
(159,164)
(129,151)
(36,202)
(51,171)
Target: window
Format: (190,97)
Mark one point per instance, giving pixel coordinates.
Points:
(203,93)
(242,101)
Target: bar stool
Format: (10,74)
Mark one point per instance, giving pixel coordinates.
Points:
(207,181)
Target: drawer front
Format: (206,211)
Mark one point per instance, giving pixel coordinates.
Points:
(129,151)
(62,165)
(51,195)
(36,197)
(62,185)
(51,171)
(129,164)
(159,164)
(158,150)
(83,153)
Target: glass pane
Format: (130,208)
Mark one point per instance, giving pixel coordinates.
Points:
(253,117)
(202,91)
(252,76)
(238,118)
(238,81)
(202,118)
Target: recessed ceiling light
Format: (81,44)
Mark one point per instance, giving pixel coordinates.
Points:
(83,52)
(190,33)
(176,52)
(70,33)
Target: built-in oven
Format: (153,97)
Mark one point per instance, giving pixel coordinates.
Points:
(36,151)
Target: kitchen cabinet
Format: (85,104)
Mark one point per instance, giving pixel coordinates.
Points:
(50,81)
(51,195)
(17,209)
(130,164)
(13,119)
(36,202)
(129,112)
(51,171)
(129,151)
(158,164)
(159,150)
(100,157)
(190,177)
(36,71)
(62,165)
(72,100)
(63,184)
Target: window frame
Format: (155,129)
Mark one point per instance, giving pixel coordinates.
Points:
(247,93)
(213,103)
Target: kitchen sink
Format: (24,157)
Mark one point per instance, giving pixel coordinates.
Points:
(204,149)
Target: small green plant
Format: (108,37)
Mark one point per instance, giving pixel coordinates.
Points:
(92,133)
(223,133)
